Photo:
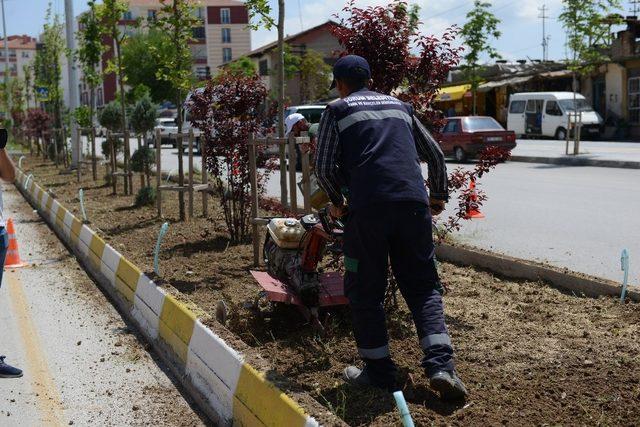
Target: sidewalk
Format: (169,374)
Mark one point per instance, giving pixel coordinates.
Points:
(82,364)
(592,153)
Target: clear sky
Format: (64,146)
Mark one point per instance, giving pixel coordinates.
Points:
(521,28)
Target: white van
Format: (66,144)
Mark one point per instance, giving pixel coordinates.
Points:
(547,114)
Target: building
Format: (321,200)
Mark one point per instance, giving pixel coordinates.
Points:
(22,51)
(614,88)
(222,36)
(318,38)
(500,80)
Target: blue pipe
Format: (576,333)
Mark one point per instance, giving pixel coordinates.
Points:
(624,264)
(26,181)
(407,421)
(20,161)
(156,252)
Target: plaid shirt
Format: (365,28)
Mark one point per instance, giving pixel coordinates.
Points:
(328,159)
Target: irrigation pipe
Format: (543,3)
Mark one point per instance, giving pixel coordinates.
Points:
(169,176)
(403,408)
(81,197)
(20,161)
(624,265)
(26,181)
(156,252)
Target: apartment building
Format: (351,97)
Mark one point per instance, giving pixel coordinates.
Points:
(222,36)
(22,51)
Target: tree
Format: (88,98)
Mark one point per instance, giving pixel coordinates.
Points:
(143,119)
(38,124)
(227,112)
(176,19)
(481,25)
(48,72)
(28,81)
(260,10)
(315,76)
(243,66)
(588,25)
(109,14)
(403,61)
(140,62)
(89,52)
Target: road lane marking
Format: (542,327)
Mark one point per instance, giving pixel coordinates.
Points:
(47,396)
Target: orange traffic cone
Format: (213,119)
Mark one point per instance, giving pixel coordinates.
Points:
(473,210)
(13,257)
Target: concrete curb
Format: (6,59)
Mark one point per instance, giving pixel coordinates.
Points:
(515,268)
(577,161)
(229,390)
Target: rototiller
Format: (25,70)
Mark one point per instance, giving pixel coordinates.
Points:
(292,252)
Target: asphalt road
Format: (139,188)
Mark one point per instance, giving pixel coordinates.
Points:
(82,363)
(575,217)
(569,216)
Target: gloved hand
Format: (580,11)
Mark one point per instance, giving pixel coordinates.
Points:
(4,136)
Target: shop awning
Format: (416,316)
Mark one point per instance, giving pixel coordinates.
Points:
(452,93)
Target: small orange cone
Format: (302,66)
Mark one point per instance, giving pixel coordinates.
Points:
(473,210)
(13,257)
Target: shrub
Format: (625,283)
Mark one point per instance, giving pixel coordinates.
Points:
(227,112)
(111,117)
(106,149)
(146,196)
(142,160)
(143,115)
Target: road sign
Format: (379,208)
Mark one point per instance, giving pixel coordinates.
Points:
(42,93)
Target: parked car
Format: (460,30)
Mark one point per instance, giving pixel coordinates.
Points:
(167,126)
(464,137)
(547,114)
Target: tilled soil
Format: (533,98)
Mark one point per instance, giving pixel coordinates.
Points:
(529,354)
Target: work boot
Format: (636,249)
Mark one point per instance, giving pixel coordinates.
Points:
(363,378)
(8,371)
(448,385)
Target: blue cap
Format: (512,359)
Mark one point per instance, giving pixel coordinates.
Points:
(352,66)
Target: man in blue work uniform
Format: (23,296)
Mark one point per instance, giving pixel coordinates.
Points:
(369,148)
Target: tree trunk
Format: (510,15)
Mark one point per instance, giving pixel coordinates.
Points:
(179,142)
(123,112)
(92,135)
(280,86)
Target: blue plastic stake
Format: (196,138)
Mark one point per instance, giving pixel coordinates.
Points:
(20,162)
(156,252)
(403,408)
(26,181)
(81,197)
(624,265)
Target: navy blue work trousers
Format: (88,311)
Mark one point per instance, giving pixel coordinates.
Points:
(400,232)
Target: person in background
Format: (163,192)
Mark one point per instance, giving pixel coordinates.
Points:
(296,124)
(8,174)
(369,148)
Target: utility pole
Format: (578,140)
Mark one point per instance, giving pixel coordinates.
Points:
(635,7)
(545,39)
(73,82)
(6,63)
